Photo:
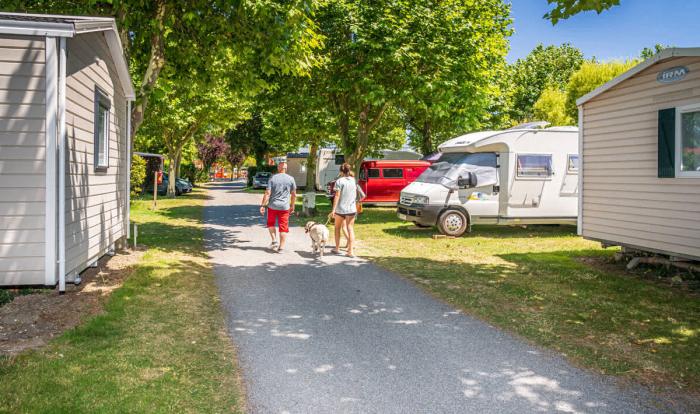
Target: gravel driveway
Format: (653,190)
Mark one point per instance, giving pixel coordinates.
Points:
(342,335)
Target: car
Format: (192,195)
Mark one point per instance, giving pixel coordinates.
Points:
(383,180)
(260,180)
(182,186)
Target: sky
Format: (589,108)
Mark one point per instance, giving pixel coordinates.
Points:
(622,31)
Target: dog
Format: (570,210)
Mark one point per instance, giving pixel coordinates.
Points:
(319,236)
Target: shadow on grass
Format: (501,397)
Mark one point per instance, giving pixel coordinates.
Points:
(486,231)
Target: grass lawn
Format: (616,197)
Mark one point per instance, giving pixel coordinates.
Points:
(161,344)
(527,282)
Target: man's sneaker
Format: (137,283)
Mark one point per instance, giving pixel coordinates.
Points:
(274,245)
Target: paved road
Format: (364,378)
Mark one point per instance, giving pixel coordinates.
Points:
(343,335)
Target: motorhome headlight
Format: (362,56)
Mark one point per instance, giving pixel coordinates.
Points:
(420,200)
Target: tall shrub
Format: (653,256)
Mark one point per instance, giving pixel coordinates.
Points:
(138,175)
(590,76)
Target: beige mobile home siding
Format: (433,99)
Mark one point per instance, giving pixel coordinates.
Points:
(22,159)
(623,199)
(94,200)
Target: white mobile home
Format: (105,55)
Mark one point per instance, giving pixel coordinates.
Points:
(65,96)
(521,175)
(640,165)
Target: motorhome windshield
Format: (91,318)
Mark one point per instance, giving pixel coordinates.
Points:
(449,167)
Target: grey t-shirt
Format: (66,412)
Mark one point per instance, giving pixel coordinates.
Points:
(348,195)
(280,186)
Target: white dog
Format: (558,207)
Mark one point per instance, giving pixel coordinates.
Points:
(319,236)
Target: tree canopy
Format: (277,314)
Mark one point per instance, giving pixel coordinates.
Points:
(563,9)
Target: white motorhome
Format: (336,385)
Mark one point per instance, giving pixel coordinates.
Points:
(522,175)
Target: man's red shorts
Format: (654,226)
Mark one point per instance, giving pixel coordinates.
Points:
(282,217)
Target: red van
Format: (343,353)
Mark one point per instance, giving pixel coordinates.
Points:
(382,181)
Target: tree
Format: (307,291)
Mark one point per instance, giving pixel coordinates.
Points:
(234,157)
(543,68)
(648,52)
(182,40)
(566,8)
(451,68)
(376,55)
(590,76)
(246,137)
(210,150)
(181,112)
(551,107)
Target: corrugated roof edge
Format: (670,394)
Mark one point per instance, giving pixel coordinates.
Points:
(66,26)
(663,55)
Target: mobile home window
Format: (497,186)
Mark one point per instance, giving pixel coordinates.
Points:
(572,165)
(373,173)
(688,141)
(534,165)
(393,172)
(339,159)
(102,111)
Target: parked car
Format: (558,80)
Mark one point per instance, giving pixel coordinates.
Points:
(182,186)
(260,180)
(382,181)
(521,175)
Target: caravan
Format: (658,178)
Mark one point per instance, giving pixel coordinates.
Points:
(522,175)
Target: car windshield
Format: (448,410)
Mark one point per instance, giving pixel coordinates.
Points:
(449,167)
(263,175)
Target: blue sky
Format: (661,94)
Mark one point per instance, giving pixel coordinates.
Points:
(621,31)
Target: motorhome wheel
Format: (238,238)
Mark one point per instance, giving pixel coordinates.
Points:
(452,223)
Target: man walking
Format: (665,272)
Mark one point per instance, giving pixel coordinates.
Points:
(280,189)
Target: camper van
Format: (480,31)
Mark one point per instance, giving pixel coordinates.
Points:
(329,162)
(382,181)
(522,175)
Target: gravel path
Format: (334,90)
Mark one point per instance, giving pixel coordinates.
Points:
(343,335)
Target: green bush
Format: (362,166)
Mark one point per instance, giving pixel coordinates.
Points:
(255,169)
(138,175)
(6,296)
(193,174)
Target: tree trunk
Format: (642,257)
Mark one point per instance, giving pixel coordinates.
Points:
(178,165)
(427,146)
(155,65)
(363,130)
(173,153)
(311,167)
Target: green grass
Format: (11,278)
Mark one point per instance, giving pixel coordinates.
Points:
(160,346)
(527,282)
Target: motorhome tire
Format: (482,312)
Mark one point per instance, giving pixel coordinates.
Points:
(452,223)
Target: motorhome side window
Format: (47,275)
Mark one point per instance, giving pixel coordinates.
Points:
(373,173)
(340,159)
(102,111)
(534,165)
(393,172)
(572,164)
(362,174)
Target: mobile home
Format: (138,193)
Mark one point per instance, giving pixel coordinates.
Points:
(640,164)
(522,175)
(65,97)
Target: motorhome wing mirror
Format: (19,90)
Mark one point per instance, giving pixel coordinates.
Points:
(469,181)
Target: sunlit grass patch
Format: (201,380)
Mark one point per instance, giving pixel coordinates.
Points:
(160,346)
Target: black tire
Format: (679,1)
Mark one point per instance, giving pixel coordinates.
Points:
(452,223)
(177,192)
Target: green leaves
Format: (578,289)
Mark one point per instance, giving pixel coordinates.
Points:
(566,8)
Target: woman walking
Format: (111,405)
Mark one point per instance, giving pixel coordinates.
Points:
(344,208)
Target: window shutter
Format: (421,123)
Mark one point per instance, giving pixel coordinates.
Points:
(667,143)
